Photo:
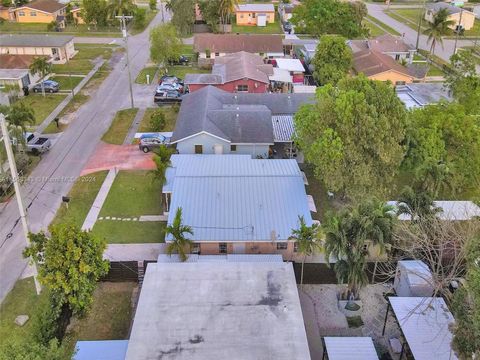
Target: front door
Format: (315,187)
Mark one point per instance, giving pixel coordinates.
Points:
(218,149)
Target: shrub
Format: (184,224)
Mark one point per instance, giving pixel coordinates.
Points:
(157,120)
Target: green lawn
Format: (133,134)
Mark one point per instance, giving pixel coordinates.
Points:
(170,117)
(180,71)
(42,106)
(382,25)
(435,71)
(74,104)
(118,129)
(319,194)
(271,28)
(374,29)
(67,82)
(82,63)
(79,30)
(82,195)
(133,193)
(142,76)
(129,232)
(148,19)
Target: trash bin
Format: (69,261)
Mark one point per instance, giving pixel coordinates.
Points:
(26,91)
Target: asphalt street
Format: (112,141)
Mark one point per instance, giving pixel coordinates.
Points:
(61,166)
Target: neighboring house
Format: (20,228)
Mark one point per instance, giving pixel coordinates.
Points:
(7,13)
(41,11)
(449,210)
(294,67)
(393,46)
(14,70)
(454,13)
(237,72)
(77,15)
(210,46)
(422,94)
(377,66)
(255,14)
(212,121)
(59,48)
(285,11)
(236,204)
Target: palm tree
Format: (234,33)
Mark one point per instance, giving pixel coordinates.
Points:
(226,9)
(434,177)
(162,161)
(19,116)
(180,244)
(120,7)
(437,28)
(417,205)
(40,66)
(306,238)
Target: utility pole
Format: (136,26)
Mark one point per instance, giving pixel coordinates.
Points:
(18,195)
(420,17)
(459,28)
(123,20)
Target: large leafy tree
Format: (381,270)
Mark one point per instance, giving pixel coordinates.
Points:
(210,10)
(332,60)
(165,44)
(95,12)
(121,7)
(27,349)
(417,204)
(438,28)
(180,243)
(70,264)
(42,67)
(183,16)
(353,135)
(463,80)
(307,239)
(318,17)
(443,136)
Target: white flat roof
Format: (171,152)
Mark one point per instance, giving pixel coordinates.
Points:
(290,65)
(451,210)
(281,75)
(425,322)
(256,7)
(350,348)
(218,310)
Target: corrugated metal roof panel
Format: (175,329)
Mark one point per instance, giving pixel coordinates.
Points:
(425,323)
(350,348)
(283,128)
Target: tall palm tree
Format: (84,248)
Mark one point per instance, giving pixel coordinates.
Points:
(161,158)
(120,7)
(40,66)
(19,116)
(180,244)
(437,28)
(434,177)
(307,239)
(226,9)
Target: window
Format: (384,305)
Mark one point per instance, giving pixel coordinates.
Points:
(295,246)
(253,15)
(222,248)
(198,149)
(196,248)
(33,13)
(217,54)
(397,57)
(282,246)
(408,56)
(21,13)
(233,148)
(242,88)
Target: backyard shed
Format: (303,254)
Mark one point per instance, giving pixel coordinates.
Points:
(413,278)
(349,348)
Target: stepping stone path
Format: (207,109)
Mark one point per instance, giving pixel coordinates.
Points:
(141,218)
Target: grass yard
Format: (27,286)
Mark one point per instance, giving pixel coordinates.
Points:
(170,117)
(82,63)
(79,30)
(74,104)
(374,29)
(82,195)
(435,71)
(67,82)
(271,28)
(148,19)
(142,76)
(129,232)
(108,319)
(118,129)
(180,70)
(382,25)
(42,106)
(319,194)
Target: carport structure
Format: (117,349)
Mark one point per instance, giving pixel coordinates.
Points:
(348,348)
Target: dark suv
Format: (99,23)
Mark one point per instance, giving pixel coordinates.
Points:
(49,86)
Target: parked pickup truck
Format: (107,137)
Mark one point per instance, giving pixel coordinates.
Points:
(37,144)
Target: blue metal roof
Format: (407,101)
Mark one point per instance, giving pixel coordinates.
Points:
(101,350)
(237,198)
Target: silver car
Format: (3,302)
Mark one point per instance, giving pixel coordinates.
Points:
(150,143)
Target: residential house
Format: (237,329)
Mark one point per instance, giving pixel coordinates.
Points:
(378,66)
(77,15)
(393,46)
(14,70)
(285,11)
(449,210)
(210,46)
(212,121)
(255,14)
(237,72)
(7,13)
(41,11)
(294,67)
(454,14)
(422,94)
(59,48)
(236,204)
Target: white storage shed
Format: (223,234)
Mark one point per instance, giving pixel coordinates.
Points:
(413,278)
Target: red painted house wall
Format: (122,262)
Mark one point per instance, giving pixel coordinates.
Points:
(232,86)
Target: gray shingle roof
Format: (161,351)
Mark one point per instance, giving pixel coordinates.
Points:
(34,40)
(238,117)
(440,5)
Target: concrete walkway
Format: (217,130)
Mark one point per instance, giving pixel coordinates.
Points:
(69,97)
(134,127)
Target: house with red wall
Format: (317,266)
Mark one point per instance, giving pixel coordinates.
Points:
(237,72)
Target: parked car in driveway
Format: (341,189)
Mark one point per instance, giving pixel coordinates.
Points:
(167,96)
(150,143)
(49,86)
(170,86)
(182,60)
(37,144)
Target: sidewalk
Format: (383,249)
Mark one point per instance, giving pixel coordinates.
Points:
(65,102)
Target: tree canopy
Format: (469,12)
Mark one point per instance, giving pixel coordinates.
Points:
(70,264)
(183,16)
(353,135)
(165,44)
(444,135)
(332,60)
(318,17)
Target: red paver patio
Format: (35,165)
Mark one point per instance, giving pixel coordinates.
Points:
(122,157)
